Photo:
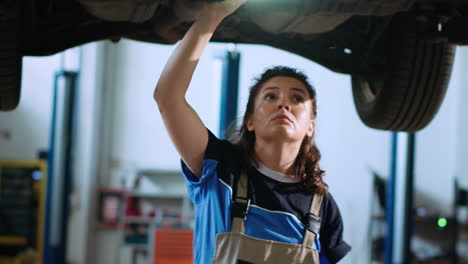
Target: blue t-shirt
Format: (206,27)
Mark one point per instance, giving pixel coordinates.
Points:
(278,210)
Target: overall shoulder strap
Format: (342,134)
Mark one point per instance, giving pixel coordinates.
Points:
(240,204)
(313,227)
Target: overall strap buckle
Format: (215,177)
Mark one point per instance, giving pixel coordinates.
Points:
(240,207)
(313,223)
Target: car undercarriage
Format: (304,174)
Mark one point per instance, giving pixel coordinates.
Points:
(398,52)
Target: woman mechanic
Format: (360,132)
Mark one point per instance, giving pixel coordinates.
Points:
(260,199)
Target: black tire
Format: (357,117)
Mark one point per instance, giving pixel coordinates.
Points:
(10,56)
(408,93)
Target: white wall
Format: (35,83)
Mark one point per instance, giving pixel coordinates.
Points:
(461,171)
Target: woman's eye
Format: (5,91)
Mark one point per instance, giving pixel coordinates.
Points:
(298,99)
(270,97)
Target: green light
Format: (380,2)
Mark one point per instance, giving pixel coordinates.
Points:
(442,222)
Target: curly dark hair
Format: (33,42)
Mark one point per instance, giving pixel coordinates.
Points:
(307,160)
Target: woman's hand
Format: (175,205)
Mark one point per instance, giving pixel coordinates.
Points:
(222,9)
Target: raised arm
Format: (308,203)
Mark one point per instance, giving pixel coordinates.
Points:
(187,131)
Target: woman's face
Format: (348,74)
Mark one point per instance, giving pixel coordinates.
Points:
(282,109)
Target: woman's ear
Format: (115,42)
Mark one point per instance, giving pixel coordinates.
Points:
(310,130)
(249,125)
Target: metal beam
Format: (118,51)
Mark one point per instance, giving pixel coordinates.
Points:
(229,93)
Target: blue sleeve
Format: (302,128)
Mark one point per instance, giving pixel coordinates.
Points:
(217,153)
(196,187)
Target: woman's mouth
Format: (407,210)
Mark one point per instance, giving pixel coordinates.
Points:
(283,118)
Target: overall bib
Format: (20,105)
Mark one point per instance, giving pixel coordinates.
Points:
(237,248)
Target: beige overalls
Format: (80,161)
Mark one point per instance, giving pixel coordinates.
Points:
(237,248)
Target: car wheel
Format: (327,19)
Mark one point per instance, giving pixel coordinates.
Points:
(406,95)
(10,56)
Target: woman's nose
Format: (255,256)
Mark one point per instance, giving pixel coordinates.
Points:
(284,105)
